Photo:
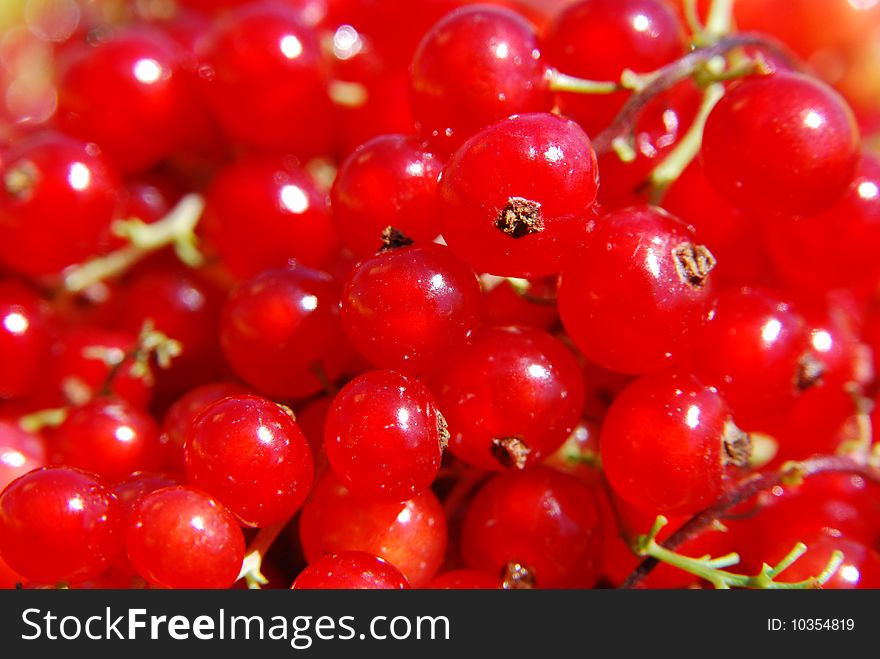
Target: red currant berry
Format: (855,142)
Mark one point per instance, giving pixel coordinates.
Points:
(477,65)
(389,181)
(57,199)
(59,524)
(179,537)
(142,121)
(410,307)
(264,211)
(108,437)
(518,194)
(263,79)
(464,580)
(20,452)
(411,535)
(512,396)
(538,526)
(784,142)
(599,39)
(279,326)
(351,570)
(639,292)
(384,436)
(249,453)
(668,443)
(24,339)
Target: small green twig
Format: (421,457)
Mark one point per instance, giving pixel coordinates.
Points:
(560,82)
(251,567)
(48,418)
(711,569)
(177,230)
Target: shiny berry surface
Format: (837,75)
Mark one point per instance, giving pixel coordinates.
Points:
(517,195)
(249,453)
(59,524)
(25,338)
(350,570)
(20,452)
(452,103)
(411,307)
(654,262)
(179,537)
(805,132)
(513,395)
(384,436)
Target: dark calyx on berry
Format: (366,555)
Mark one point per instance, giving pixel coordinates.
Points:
(737,445)
(393,238)
(516,576)
(694,263)
(511,452)
(442,431)
(520,217)
(809,372)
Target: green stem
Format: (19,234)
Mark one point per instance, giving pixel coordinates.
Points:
(719,22)
(253,559)
(668,171)
(560,82)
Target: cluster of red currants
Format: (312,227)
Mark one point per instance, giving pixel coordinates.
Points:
(328,292)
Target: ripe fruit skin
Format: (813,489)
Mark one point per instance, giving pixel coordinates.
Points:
(263,80)
(510,383)
(57,198)
(391,180)
(262,212)
(782,143)
(411,535)
(464,580)
(350,570)
(542,519)
(598,39)
(179,537)
(186,409)
(384,436)
(109,437)
(279,325)
(835,248)
(20,452)
(249,453)
(59,524)
(517,195)
(24,338)
(476,65)
(143,120)
(665,444)
(410,307)
(640,290)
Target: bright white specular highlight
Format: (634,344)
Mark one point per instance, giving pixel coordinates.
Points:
(147,70)
(867,190)
(291,47)
(79,176)
(264,435)
(641,22)
(15,323)
(692,418)
(821,340)
(770,331)
(502,50)
(198,523)
(76,503)
(12,458)
(124,434)
(309,303)
(813,119)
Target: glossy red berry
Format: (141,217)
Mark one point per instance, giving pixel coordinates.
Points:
(390,180)
(59,524)
(58,196)
(350,570)
(109,437)
(639,292)
(510,397)
(265,211)
(24,339)
(249,453)
(410,307)
(179,537)
(598,39)
(142,121)
(475,66)
(518,195)
(783,143)
(464,580)
(384,436)
(281,325)
(834,248)
(411,535)
(177,424)
(668,443)
(263,79)
(21,451)
(540,524)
